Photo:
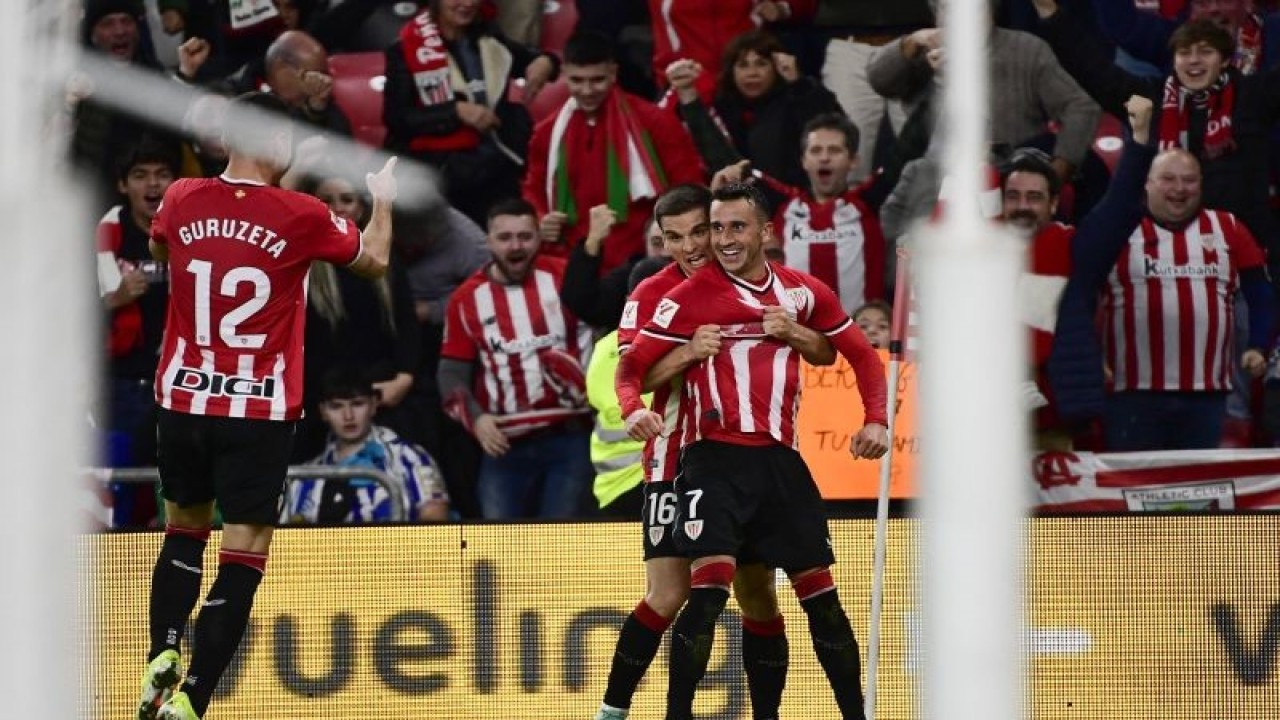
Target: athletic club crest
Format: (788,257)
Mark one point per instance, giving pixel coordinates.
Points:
(655,535)
(692,529)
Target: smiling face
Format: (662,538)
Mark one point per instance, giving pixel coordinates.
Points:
(738,234)
(1197,66)
(687,239)
(589,85)
(1028,203)
(1173,187)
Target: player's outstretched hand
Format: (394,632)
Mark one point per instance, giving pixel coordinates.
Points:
(871,442)
(382,184)
(644,425)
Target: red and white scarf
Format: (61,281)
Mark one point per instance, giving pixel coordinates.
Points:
(1248,59)
(428,61)
(1219,102)
(634,170)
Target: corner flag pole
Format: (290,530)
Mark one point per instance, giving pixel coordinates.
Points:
(901,346)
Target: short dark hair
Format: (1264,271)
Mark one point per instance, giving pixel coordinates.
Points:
(644,269)
(1031,160)
(589,47)
(833,121)
(345,382)
(743,191)
(680,200)
(510,206)
(1203,31)
(243,131)
(147,151)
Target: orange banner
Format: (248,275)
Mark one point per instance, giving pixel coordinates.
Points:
(831,411)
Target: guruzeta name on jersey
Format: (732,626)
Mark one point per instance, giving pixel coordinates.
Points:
(241,230)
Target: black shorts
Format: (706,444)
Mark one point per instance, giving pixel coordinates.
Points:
(240,463)
(658,517)
(751,502)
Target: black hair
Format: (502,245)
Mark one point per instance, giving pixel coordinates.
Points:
(589,47)
(744,191)
(680,200)
(148,150)
(645,269)
(1031,160)
(833,121)
(510,206)
(345,382)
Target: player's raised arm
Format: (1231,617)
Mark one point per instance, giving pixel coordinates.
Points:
(375,251)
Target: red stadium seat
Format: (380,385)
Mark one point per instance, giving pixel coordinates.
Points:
(358,79)
(1108,141)
(547,102)
(559,17)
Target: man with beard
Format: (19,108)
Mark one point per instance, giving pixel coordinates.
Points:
(526,405)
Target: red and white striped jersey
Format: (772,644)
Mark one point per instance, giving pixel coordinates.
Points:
(239,252)
(661,456)
(1167,308)
(508,330)
(749,392)
(838,241)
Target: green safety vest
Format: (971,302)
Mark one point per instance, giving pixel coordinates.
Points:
(616,456)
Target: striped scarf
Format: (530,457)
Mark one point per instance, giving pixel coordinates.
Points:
(1218,102)
(634,170)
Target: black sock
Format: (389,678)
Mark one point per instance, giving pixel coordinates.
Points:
(175,587)
(764,658)
(637,645)
(691,638)
(219,627)
(837,651)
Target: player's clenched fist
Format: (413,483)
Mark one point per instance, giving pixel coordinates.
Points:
(778,323)
(644,425)
(705,342)
(871,442)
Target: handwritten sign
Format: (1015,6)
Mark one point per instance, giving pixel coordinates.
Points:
(831,411)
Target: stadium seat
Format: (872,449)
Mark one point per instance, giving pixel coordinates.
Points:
(1108,141)
(358,79)
(559,17)
(547,102)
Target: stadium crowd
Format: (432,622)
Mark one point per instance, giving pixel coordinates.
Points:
(479,371)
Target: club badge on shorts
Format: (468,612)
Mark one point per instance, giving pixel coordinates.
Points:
(655,535)
(692,529)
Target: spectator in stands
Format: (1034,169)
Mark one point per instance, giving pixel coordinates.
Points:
(441,248)
(347,403)
(135,295)
(595,299)
(829,230)
(604,146)
(520,20)
(1205,106)
(102,137)
(876,320)
(853,31)
(1029,90)
(446,101)
(358,323)
(1145,35)
(762,103)
(511,371)
(699,32)
(1171,281)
